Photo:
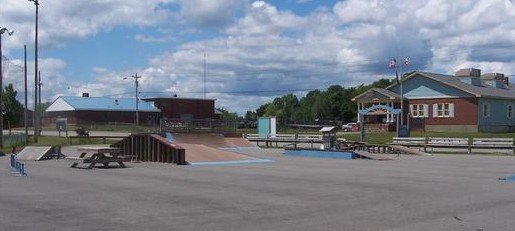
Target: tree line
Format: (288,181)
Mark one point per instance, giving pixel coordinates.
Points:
(316,107)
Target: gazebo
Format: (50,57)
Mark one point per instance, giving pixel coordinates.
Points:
(375,110)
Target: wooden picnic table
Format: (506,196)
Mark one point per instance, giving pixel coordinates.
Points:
(101,155)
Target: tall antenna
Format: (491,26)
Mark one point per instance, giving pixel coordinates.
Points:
(204,74)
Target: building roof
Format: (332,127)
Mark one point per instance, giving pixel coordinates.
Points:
(173,98)
(483,90)
(76,103)
(390,94)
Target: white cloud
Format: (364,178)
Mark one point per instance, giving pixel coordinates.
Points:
(61,21)
(355,11)
(263,18)
(210,13)
(268,49)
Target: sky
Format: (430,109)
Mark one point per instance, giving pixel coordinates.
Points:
(253,51)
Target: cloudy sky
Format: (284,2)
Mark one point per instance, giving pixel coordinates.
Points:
(255,50)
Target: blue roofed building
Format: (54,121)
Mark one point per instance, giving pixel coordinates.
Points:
(86,110)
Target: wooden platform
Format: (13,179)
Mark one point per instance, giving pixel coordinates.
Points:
(372,156)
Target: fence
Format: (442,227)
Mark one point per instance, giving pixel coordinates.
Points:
(14,139)
(17,166)
(205,125)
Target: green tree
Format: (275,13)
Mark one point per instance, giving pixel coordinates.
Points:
(12,108)
(227,116)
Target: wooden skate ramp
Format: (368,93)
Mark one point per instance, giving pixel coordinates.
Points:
(210,140)
(203,153)
(34,153)
(211,147)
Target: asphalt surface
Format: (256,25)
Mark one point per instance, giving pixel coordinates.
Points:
(441,192)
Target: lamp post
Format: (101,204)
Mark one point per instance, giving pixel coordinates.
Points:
(136,99)
(36,81)
(2,31)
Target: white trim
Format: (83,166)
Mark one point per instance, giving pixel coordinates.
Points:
(450,110)
(60,105)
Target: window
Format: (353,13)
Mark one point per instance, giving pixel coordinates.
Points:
(418,110)
(443,110)
(486,110)
(509,111)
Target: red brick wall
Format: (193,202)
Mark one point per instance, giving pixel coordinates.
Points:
(173,108)
(465,111)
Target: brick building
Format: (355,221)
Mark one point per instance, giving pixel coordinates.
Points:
(185,108)
(466,101)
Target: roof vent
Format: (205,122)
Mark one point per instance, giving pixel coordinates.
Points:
(85,94)
(468,72)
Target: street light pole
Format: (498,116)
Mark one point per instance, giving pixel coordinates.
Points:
(36,82)
(2,31)
(136,84)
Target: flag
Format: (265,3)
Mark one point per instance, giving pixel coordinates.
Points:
(392,63)
(406,61)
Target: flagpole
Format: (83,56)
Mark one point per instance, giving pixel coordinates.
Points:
(402,98)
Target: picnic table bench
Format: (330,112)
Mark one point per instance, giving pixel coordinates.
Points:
(101,155)
(493,143)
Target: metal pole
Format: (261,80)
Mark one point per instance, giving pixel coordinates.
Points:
(204,75)
(1,90)
(40,112)
(25,117)
(137,99)
(402,100)
(35,114)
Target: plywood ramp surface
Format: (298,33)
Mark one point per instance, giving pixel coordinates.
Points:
(210,140)
(33,152)
(203,153)
(239,142)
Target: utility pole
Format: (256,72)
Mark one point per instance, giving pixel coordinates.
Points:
(2,31)
(25,116)
(39,87)
(204,75)
(136,84)
(36,117)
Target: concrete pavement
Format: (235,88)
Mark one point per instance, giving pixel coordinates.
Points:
(441,192)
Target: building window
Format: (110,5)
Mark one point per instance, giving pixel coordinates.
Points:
(418,110)
(443,110)
(486,110)
(509,111)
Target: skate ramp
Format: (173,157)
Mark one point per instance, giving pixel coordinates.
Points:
(214,148)
(35,153)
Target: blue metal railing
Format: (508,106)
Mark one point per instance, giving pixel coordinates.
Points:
(17,167)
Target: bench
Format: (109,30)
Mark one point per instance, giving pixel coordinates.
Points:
(493,143)
(101,155)
(446,142)
(409,141)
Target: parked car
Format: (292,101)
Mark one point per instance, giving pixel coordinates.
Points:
(349,127)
